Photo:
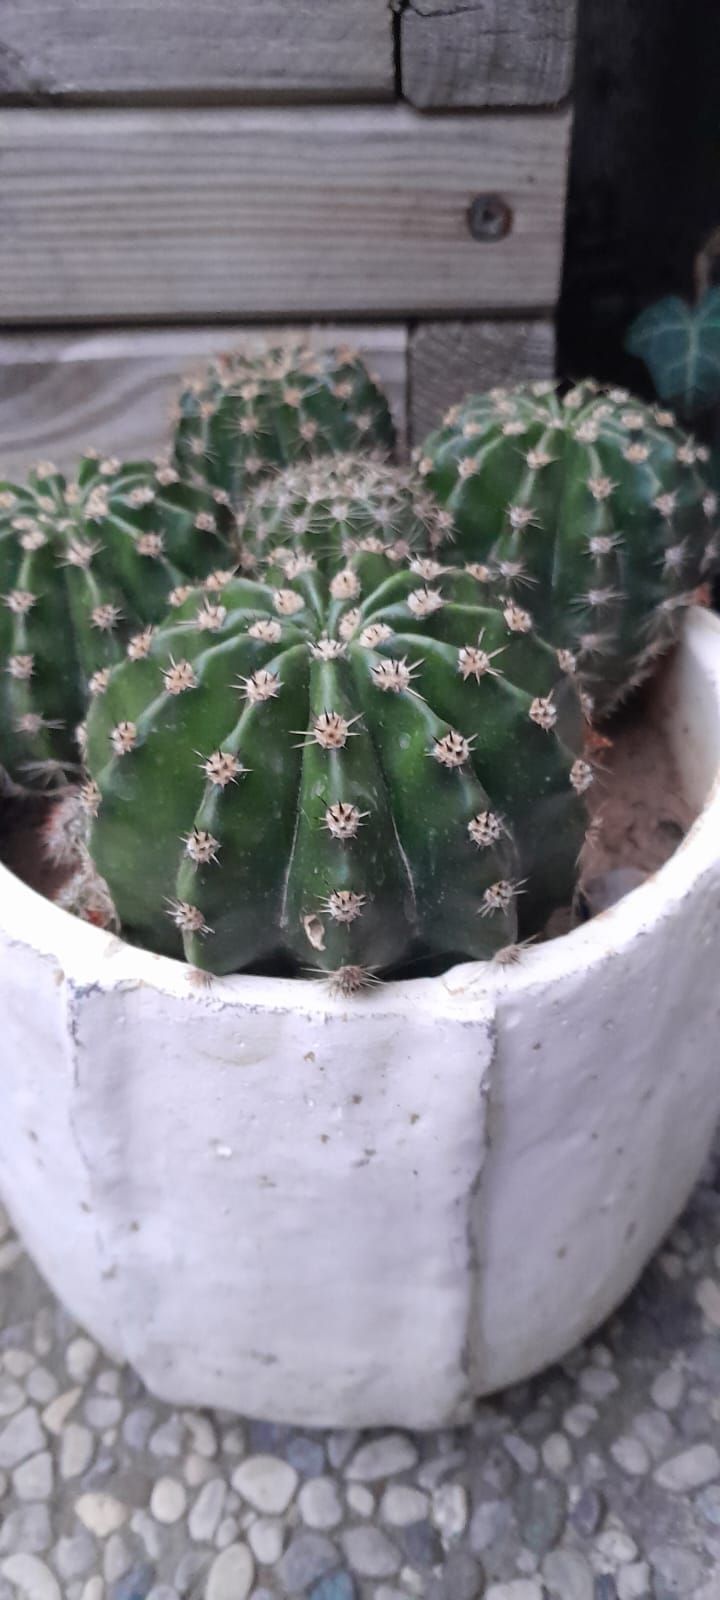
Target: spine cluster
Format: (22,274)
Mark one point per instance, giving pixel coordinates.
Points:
(592,510)
(330,766)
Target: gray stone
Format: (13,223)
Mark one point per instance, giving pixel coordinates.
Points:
(496,1469)
(308,1557)
(708,1504)
(692,1469)
(421,1544)
(319,1504)
(370,1552)
(461,1579)
(450,1509)
(402,1503)
(656,1431)
(231,1574)
(168,1500)
(307,1456)
(21,1437)
(11,1396)
(137,1427)
(207,1510)
(340,1445)
(118,1563)
(167,1440)
(336,1586)
(76,1450)
(676,1571)
(588,1513)
(382,1458)
(33,1479)
(541,1512)
(568,1575)
(490,1523)
(190,1568)
(27,1529)
(76,1555)
(266,1537)
(266,1482)
(102,1411)
(605,1587)
(633,1581)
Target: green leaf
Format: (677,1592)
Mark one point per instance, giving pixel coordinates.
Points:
(680,345)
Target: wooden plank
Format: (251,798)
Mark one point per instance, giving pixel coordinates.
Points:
(131,215)
(60,393)
(92,50)
(487,52)
(452,359)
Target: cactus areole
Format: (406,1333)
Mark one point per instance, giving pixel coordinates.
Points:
(250,414)
(343,772)
(83,564)
(592,510)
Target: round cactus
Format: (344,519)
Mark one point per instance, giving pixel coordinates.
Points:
(337,504)
(82,564)
(346,772)
(252,413)
(592,507)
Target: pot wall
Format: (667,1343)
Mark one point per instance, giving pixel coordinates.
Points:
(320,1212)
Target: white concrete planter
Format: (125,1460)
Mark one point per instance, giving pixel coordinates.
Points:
(355,1213)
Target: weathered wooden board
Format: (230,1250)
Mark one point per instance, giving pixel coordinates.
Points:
(310,212)
(452,359)
(62,392)
(240,49)
(487,52)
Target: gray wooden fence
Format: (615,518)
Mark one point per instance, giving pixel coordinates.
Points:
(200,170)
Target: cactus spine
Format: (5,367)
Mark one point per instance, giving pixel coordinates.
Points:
(83,564)
(343,772)
(591,509)
(331,507)
(251,414)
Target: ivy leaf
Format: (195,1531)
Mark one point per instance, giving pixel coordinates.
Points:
(680,345)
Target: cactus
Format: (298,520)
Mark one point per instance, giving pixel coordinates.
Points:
(329,507)
(82,565)
(592,508)
(250,414)
(347,772)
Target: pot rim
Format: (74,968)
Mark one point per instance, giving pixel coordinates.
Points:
(95,957)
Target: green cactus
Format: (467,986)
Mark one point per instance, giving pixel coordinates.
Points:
(346,772)
(337,504)
(82,565)
(592,507)
(252,413)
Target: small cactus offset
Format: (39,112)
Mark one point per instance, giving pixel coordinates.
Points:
(82,565)
(593,508)
(345,772)
(250,414)
(64,841)
(335,505)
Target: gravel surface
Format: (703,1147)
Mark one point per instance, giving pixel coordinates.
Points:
(598,1481)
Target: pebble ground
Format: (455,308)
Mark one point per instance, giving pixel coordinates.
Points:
(598,1481)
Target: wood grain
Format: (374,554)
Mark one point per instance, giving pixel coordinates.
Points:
(487,52)
(128,215)
(60,393)
(94,50)
(452,359)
